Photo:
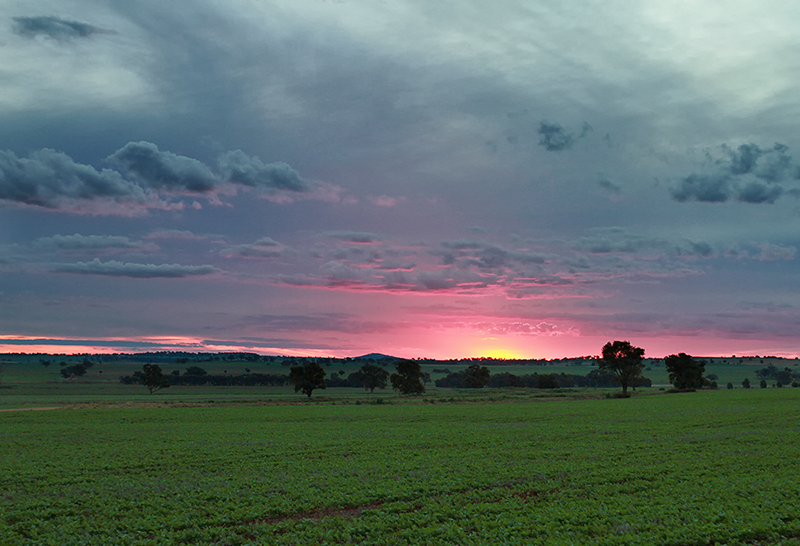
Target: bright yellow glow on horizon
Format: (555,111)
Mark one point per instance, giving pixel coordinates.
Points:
(499,353)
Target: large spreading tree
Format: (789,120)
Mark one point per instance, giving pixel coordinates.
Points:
(684,371)
(409,378)
(153,378)
(624,361)
(307,378)
(371,377)
(476,376)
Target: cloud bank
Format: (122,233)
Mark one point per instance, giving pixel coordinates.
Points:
(114,268)
(155,179)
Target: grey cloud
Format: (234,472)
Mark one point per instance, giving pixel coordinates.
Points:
(700,249)
(337,272)
(768,164)
(293,323)
(756,192)
(164,170)
(355,237)
(114,268)
(85,242)
(54,27)
(773,252)
(483,255)
(265,247)
(749,173)
(705,188)
(435,281)
(48,178)
(173,234)
(239,168)
(617,240)
(554,138)
(744,159)
(52,179)
(609,186)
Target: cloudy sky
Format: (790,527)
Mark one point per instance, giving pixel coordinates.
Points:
(443,179)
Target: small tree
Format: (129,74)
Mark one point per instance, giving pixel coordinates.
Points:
(730,386)
(153,378)
(307,378)
(73,372)
(372,377)
(408,379)
(196,371)
(763,383)
(746,383)
(476,377)
(685,372)
(623,361)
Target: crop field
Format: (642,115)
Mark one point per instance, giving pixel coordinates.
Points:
(711,467)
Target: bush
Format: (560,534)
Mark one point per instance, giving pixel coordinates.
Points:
(730,386)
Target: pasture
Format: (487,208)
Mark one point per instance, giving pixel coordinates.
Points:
(711,467)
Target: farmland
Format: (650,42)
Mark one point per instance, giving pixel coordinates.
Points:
(712,467)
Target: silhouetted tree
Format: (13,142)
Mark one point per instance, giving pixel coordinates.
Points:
(307,378)
(684,371)
(746,383)
(476,376)
(408,379)
(371,377)
(196,371)
(623,361)
(71,372)
(153,378)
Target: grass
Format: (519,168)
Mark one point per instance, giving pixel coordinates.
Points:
(700,468)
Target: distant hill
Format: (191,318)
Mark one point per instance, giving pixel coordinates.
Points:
(376,356)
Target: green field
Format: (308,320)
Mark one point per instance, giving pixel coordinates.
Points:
(712,467)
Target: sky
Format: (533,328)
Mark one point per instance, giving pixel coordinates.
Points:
(421,179)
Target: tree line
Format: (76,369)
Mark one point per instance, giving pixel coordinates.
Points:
(621,364)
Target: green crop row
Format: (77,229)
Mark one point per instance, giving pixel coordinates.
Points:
(700,468)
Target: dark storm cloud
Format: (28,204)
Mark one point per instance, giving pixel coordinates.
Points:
(239,168)
(771,164)
(48,178)
(554,137)
(747,173)
(52,179)
(756,192)
(744,159)
(114,268)
(705,188)
(164,170)
(54,27)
